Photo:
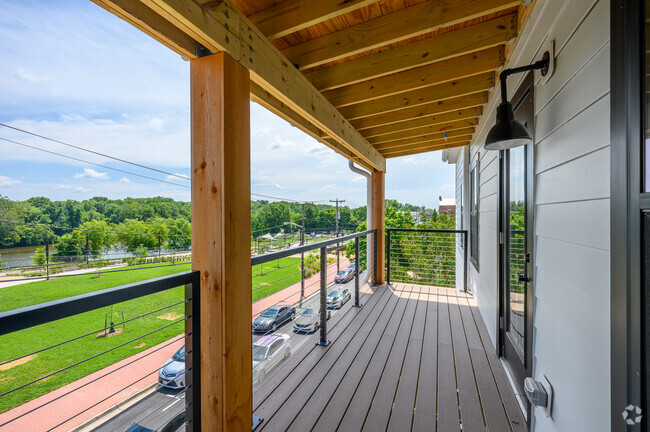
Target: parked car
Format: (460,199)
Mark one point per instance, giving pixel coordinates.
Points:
(344,276)
(309,320)
(337,298)
(268,351)
(172,374)
(273,317)
(351,267)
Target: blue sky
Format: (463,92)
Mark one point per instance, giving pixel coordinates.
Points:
(73,72)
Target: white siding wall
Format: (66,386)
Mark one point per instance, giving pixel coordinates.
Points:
(461,199)
(572,226)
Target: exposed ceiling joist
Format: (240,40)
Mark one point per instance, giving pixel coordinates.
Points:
(414,151)
(420,122)
(416,140)
(293,15)
(467,40)
(403,24)
(425,131)
(436,138)
(413,79)
(421,111)
(220,27)
(448,90)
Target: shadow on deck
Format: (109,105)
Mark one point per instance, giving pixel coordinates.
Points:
(412,358)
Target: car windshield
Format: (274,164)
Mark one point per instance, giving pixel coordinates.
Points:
(341,273)
(309,311)
(335,294)
(259,352)
(180,354)
(269,313)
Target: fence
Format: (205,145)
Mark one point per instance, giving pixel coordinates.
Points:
(426,257)
(48,313)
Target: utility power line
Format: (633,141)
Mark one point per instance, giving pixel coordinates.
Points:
(94,152)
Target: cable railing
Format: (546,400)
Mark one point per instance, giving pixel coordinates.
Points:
(71,347)
(427,257)
(302,291)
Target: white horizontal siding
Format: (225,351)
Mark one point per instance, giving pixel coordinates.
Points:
(572,221)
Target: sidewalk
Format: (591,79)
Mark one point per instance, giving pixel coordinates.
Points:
(74,404)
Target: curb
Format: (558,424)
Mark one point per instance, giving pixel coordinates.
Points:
(101,418)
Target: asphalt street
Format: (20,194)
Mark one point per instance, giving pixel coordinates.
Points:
(161,405)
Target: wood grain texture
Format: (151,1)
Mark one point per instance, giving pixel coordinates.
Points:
(436,138)
(403,24)
(448,90)
(440,128)
(425,149)
(377,209)
(467,40)
(220,238)
(421,111)
(419,122)
(417,78)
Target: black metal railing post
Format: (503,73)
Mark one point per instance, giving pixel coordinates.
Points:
(192,355)
(388,257)
(356,273)
(465,262)
(374,257)
(323,298)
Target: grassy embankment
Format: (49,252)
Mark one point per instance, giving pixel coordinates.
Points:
(24,342)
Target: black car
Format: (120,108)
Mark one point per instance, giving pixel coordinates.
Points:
(273,317)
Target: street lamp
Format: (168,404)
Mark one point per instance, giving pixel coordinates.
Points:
(302,259)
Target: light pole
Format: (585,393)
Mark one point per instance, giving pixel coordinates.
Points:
(302,258)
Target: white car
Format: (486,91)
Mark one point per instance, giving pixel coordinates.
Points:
(338,297)
(268,352)
(172,374)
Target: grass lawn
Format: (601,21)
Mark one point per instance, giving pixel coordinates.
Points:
(13,345)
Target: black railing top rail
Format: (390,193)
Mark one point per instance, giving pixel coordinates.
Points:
(20,319)
(272,256)
(427,230)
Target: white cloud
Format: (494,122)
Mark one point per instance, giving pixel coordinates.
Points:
(31,77)
(8,181)
(80,189)
(91,174)
(124,180)
(175,177)
(277,186)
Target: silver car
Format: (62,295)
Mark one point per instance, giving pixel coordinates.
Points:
(309,320)
(172,374)
(338,297)
(268,351)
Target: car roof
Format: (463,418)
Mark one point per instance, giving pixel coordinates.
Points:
(269,339)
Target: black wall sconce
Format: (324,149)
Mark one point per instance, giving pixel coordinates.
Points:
(508,132)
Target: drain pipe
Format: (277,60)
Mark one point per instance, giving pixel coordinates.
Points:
(366,174)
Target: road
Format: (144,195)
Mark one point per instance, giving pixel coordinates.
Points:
(161,405)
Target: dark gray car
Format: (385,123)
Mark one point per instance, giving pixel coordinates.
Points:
(273,317)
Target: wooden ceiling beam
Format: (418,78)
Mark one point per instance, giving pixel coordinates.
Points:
(437,138)
(419,122)
(416,140)
(436,73)
(220,27)
(420,150)
(421,111)
(448,90)
(488,34)
(291,16)
(425,131)
(393,27)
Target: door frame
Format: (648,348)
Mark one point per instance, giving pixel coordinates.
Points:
(629,332)
(525,89)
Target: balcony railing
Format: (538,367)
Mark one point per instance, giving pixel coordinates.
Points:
(47,313)
(427,257)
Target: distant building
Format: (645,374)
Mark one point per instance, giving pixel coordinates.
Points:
(417,217)
(447,206)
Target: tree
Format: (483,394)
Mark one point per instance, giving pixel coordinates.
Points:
(39,257)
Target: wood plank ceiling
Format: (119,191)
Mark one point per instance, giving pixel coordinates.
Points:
(411,76)
(372,79)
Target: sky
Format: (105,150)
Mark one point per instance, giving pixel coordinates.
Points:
(74,73)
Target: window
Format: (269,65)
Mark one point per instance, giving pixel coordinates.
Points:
(473,212)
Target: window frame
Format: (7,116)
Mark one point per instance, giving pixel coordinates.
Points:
(474,211)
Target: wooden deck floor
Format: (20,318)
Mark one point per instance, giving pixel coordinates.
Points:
(412,358)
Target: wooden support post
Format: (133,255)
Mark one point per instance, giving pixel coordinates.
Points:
(221,235)
(378,221)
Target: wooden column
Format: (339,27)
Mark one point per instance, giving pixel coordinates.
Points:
(377,221)
(221,230)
